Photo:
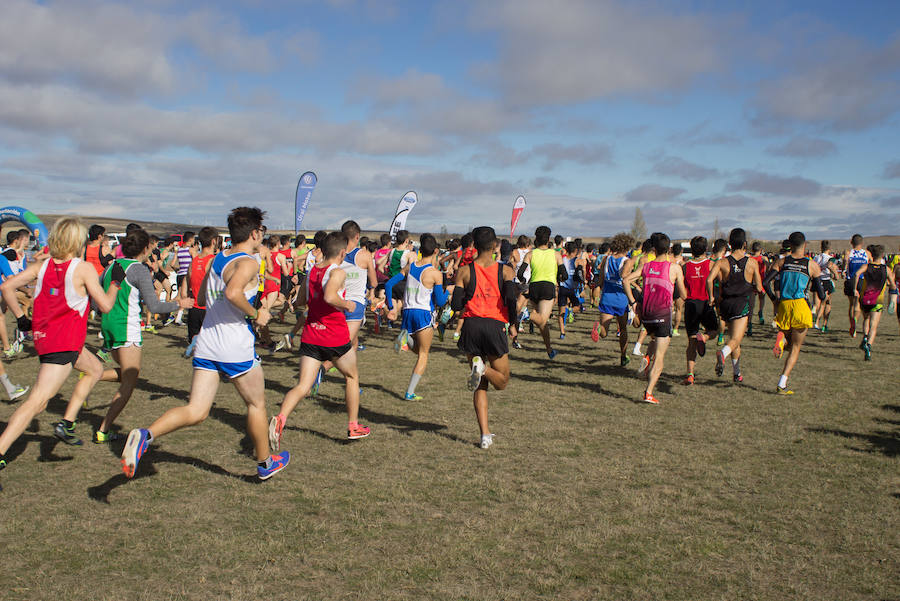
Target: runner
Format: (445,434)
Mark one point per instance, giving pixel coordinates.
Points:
(209,241)
(360,280)
(678,259)
(325,338)
(761,264)
(792,314)
(486,294)
(825,261)
(224,347)
(182,264)
(697,309)
(660,278)
(64,285)
(566,298)
(856,259)
(738,275)
(870,284)
(424,294)
(719,249)
(121,326)
(546,268)
(96,252)
(613,303)
(467,254)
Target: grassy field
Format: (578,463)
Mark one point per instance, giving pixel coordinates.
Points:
(721,492)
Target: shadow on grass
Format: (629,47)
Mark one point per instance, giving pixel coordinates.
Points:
(147,468)
(591,386)
(886,443)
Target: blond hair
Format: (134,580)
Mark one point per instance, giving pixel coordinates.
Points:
(67,238)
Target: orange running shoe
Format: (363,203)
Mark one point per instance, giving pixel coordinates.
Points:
(779,345)
(355,431)
(595,333)
(689,380)
(649,398)
(276,431)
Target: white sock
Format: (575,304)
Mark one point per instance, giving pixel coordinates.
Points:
(726,350)
(637,348)
(9,386)
(413,382)
(782,381)
(178,316)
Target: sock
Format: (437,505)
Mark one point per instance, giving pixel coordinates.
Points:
(10,388)
(726,350)
(413,382)
(637,347)
(266,463)
(149,436)
(179,314)
(67,424)
(736,366)
(782,381)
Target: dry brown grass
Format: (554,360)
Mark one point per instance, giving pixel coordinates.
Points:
(721,492)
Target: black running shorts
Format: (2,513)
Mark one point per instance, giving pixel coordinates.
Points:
(541,291)
(699,313)
(483,337)
(734,307)
(324,353)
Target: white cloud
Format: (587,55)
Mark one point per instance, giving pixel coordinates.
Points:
(804,147)
(583,50)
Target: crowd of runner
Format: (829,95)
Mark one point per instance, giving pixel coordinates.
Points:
(483,289)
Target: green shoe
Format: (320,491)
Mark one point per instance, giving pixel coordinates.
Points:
(413,397)
(104,356)
(67,435)
(625,360)
(104,437)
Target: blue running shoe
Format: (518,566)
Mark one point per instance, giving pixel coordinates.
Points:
(276,464)
(318,382)
(552,354)
(190,348)
(137,444)
(412,397)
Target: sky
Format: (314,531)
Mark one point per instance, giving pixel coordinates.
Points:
(772,116)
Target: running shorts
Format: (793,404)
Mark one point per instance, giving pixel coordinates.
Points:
(660,329)
(357,314)
(483,337)
(230,370)
(734,307)
(614,303)
(566,296)
(194,321)
(877,308)
(416,320)
(324,353)
(827,285)
(793,314)
(160,276)
(848,287)
(287,285)
(699,313)
(541,291)
(179,279)
(60,358)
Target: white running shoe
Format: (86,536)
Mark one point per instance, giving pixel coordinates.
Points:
(289,342)
(474,379)
(18,392)
(486,440)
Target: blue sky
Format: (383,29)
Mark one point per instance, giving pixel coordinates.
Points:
(773,116)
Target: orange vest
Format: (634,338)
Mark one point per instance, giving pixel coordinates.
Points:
(487,301)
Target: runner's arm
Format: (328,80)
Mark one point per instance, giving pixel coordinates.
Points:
(523,266)
(679,283)
(771,273)
(857,277)
(9,287)
(243,272)
(711,280)
(389,288)
(104,299)
(332,290)
(139,277)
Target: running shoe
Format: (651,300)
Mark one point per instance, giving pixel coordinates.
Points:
(474,379)
(824,329)
(868,352)
(644,367)
(517,345)
(738,378)
(278,346)
(357,431)
(137,444)
(455,336)
(852,327)
(762,320)
(649,398)
(104,355)
(276,431)
(779,345)
(552,353)
(18,392)
(783,391)
(570,316)
(675,332)
(595,332)
(170,321)
(441,329)
(562,336)
(104,437)
(446,315)
(486,441)
(413,397)
(865,341)
(688,380)
(318,382)
(360,347)
(624,360)
(402,341)
(701,345)
(750,329)
(276,464)
(720,363)
(67,435)
(12,351)
(151,329)
(189,351)
(720,341)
